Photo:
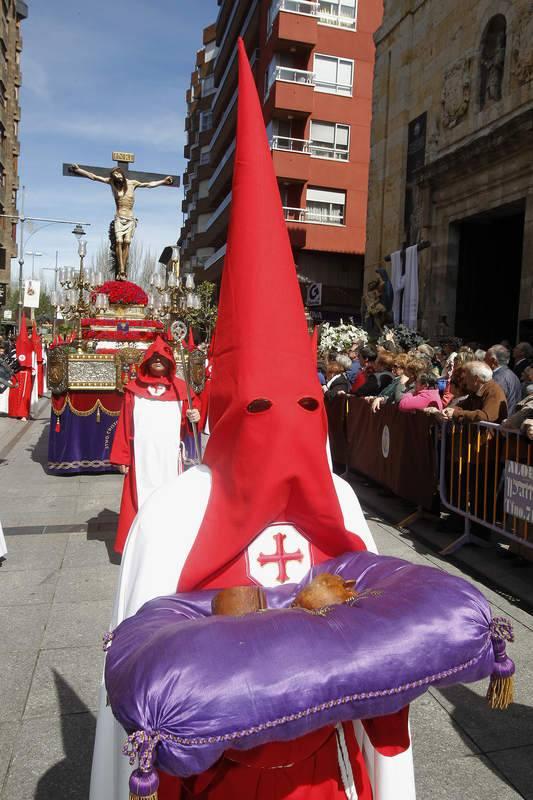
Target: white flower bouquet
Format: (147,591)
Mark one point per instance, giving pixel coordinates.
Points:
(341,337)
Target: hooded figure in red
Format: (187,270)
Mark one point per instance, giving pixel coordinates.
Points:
(149,430)
(263,508)
(267,449)
(20,396)
(273,502)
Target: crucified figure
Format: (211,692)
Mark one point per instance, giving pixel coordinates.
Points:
(123,189)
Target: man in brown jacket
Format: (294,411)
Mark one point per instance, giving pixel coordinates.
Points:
(486,400)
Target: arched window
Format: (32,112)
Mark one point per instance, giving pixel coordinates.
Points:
(492,66)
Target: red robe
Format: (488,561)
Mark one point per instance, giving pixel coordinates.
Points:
(19,403)
(20,396)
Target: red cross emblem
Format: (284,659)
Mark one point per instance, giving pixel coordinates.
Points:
(280,557)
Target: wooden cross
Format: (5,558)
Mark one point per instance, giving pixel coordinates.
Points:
(123,161)
(280,557)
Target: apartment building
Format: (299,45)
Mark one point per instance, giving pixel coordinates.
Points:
(11,16)
(313,64)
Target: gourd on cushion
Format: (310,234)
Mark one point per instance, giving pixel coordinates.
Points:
(187,685)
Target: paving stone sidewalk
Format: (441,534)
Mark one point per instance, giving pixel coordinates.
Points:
(56,592)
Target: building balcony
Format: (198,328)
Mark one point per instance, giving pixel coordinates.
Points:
(320,11)
(222,175)
(213,264)
(306,147)
(243,20)
(292,21)
(218,220)
(290,163)
(204,171)
(188,205)
(313,217)
(225,130)
(291,90)
(290,75)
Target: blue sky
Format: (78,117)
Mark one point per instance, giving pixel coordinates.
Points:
(77,58)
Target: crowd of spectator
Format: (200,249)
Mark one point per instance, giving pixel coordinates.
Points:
(8,363)
(450,381)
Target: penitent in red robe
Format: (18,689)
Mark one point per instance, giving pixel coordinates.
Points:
(271,482)
(20,395)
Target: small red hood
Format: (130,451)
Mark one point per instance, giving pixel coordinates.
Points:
(143,380)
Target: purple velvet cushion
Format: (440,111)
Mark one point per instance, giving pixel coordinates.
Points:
(209,683)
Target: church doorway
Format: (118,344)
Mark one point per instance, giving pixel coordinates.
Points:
(488,277)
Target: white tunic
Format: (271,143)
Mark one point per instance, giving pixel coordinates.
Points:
(3,546)
(35,385)
(152,562)
(4,401)
(156,442)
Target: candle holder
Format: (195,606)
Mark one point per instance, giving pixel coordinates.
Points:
(171,297)
(78,288)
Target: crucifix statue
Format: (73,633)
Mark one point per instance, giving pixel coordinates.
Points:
(123,184)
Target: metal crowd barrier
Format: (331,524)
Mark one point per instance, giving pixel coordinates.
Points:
(486,476)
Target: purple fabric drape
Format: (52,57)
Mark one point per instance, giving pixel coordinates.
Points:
(201,684)
(82,444)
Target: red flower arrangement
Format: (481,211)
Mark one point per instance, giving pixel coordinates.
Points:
(122,330)
(120,336)
(123,293)
(114,323)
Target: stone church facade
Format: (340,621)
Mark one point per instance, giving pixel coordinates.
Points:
(452,161)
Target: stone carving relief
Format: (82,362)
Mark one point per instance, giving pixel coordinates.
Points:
(456,93)
(522,49)
(492,63)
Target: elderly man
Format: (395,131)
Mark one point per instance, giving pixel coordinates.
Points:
(355,365)
(523,357)
(498,357)
(485,401)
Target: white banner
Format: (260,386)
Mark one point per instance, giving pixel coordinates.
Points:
(32,291)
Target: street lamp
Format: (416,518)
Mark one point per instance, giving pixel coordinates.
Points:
(22,218)
(33,255)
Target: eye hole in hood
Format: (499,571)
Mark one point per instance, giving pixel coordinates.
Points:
(309,403)
(259,405)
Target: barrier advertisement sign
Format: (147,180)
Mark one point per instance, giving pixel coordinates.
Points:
(519,490)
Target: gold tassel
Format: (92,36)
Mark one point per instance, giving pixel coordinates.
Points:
(500,693)
(137,797)
(98,414)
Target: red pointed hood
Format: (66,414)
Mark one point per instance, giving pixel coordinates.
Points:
(163,349)
(140,385)
(271,465)
(37,344)
(24,345)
